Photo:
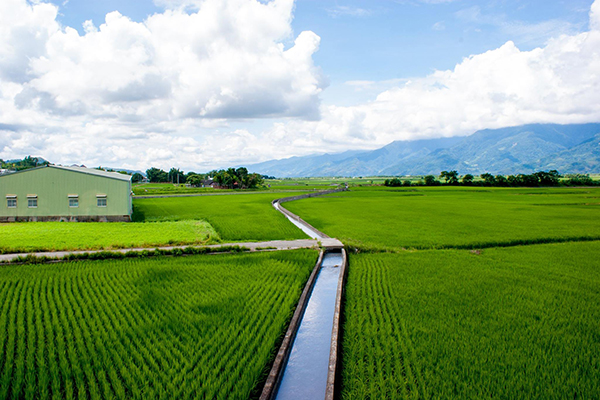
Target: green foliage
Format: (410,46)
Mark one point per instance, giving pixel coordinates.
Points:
(394,182)
(188,327)
(157,175)
(137,177)
(26,163)
(519,322)
(467,179)
(239,217)
(431,181)
(392,219)
(194,180)
(488,179)
(176,175)
(580,180)
(237,178)
(451,177)
(53,236)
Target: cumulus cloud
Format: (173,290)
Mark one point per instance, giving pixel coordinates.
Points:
(558,83)
(595,16)
(225,60)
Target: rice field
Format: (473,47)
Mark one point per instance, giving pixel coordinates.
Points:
(519,322)
(377,218)
(54,236)
(162,328)
(239,217)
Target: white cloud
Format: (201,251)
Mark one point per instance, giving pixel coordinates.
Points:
(595,16)
(226,60)
(558,83)
(339,11)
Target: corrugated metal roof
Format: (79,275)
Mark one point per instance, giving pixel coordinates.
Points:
(92,171)
(82,170)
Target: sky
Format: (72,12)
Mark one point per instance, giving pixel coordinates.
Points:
(203,84)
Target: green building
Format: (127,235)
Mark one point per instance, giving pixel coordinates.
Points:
(55,193)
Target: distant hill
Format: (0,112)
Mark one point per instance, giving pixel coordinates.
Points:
(583,158)
(521,149)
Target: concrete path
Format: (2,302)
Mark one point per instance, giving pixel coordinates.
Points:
(252,246)
(160,196)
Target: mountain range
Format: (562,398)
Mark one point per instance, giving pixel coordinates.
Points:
(521,149)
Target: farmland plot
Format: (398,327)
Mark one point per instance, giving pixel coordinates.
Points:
(52,236)
(185,327)
(239,217)
(453,217)
(519,322)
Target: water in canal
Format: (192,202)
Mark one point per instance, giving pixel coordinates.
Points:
(305,375)
(306,229)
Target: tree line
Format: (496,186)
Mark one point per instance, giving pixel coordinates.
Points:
(541,178)
(232,178)
(25,163)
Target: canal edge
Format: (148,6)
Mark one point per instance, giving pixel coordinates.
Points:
(290,214)
(333,370)
(274,379)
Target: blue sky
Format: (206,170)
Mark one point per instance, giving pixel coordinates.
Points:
(209,83)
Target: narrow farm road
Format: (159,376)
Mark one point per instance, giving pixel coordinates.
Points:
(251,246)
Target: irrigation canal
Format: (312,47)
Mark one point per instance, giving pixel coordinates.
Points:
(305,374)
(305,367)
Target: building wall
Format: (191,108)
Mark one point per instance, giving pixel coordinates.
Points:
(52,187)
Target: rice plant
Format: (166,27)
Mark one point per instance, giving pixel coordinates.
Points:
(519,322)
(185,327)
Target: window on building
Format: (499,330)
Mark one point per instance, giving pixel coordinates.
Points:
(32,202)
(11,201)
(101,201)
(73,201)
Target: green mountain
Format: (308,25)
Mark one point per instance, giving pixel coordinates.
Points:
(520,149)
(583,158)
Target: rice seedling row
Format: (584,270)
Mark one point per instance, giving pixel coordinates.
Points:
(189,327)
(518,322)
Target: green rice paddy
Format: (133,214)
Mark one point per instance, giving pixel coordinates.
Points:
(510,323)
(53,236)
(239,217)
(451,217)
(161,328)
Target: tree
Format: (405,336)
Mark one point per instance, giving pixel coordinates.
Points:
(137,177)
(501,180)
(431,181)
(467,179)
(194,180)
(254,180)
(451,177)
(488,179)
(157,175)
(394,182)
(580,180)
(550,178)
(176,176)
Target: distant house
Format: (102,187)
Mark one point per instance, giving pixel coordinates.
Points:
(209,183)
(57,193)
